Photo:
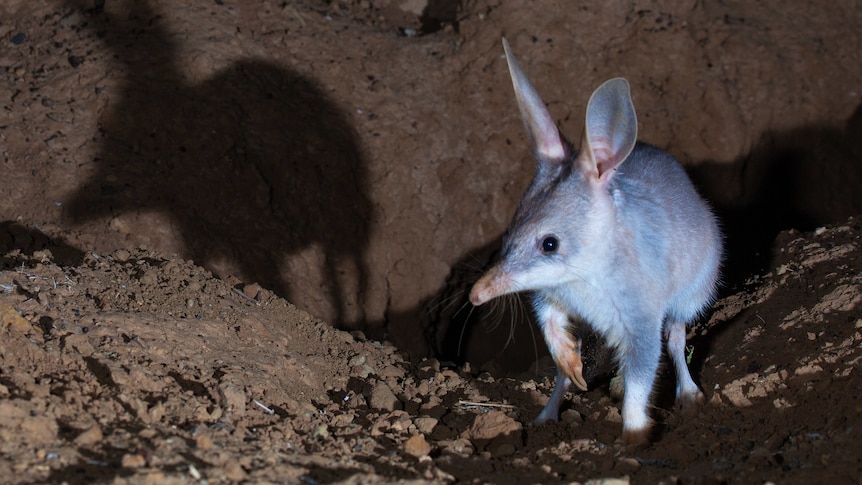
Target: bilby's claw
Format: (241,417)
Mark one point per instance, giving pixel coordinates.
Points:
(573,366)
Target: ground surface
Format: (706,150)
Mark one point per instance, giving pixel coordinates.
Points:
(175,172)
(136,367)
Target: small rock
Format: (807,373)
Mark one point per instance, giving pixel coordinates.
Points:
(381,397)
(122,255)
(133,460)
(342,420)
(493,424)
(451,376)
(492,430)
(528,385)
(391,371)
(321,432)
(401,423)
(90,436)
(425,424)
(251,290)
(232,398)
(571,417)
(233,471)
(10,317)
(203,442)
(417,446)
(459,447)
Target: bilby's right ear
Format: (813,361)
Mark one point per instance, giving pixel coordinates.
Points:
(547,142)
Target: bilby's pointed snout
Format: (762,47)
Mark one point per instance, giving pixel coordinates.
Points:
(494,283)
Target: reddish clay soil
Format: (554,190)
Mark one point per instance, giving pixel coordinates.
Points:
(236,240)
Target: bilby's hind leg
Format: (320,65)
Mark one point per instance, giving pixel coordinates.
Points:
(688,396)
(551,411)
(639,357)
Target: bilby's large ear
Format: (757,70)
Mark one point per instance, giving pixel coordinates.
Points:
(547,143)
(611,129)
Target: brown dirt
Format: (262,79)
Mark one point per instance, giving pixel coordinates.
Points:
(175,172)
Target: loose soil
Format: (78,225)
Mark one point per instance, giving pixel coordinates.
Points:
(236,239)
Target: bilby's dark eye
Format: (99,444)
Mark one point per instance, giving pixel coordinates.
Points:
(550,245)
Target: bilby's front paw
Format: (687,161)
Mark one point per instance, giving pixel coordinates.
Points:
(573,366)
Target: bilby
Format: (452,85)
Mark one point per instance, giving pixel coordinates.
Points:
(613,234)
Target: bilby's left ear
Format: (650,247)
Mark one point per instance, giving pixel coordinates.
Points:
(611,129)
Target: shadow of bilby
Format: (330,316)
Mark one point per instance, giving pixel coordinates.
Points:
(802,178)
(253,166)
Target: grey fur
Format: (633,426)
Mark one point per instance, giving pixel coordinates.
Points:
(638,250)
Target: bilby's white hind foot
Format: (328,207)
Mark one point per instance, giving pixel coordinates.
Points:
(690,403)
(638,436)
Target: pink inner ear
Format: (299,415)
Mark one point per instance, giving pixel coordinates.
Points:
(603,154)
(550,145)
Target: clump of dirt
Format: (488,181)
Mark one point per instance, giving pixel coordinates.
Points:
(137,367)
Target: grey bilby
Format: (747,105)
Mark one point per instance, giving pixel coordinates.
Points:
(614,235)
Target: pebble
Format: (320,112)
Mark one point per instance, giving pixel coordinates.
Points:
(381,397)
(391,371)
(251,290)
(233,471)
(9,317)
(203,442)
(493,424)
(321,432)
(459,447)
(232,398)
(426,424)
(417,446)
(571,417)
(133,460)
(90,436)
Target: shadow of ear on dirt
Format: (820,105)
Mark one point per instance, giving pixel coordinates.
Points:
(803,178)
(255,168)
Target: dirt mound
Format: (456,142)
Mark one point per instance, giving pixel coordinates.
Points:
(139,368)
